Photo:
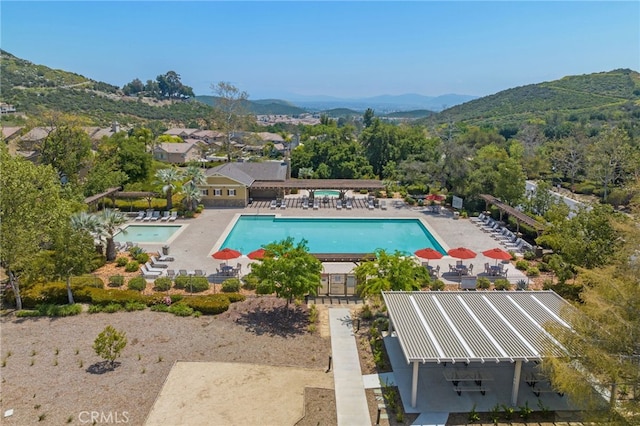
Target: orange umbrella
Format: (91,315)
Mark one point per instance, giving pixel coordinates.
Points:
(462,253)
(226,254)
(497,253)
(257,254)
(428,253)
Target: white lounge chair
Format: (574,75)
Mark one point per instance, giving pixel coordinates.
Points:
(383,205)
(157,264)
(274,204)
(140,216)
(153,269)
(305,204)
(173,217)
(339,205)
(349,205)
(316,204)
(165,216)
(283,204)
(370,205)
(148,216)
(149,275)
(155,216)
(166,258)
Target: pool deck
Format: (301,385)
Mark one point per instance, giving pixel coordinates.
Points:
(193,247)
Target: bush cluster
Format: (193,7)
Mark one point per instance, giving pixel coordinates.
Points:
(132,266)
(192,284)
(522,265)
(502,284)
(116,281)
(122,261)
(137,284)
(232,285)
(162,284)
(208,305)
(49,310)
(483,283)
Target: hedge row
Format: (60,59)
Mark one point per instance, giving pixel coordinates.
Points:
(56,294)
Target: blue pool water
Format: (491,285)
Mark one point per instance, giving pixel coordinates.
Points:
(332,235)
(146,233)
(327,193)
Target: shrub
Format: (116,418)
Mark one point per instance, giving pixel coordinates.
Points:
(502,284)
(181,309)
(250,282)
(87,281)
(522,265)
(263,288)
(104,297)
(533,271)
(529,255)
(544,267)
(236,297)
(134,306)
(192,284)
(209,305)
(189,214)
(116,281)
(49,310)
(436,285)
(366,313)
(132,266)
(122,261)
(159,308)
(137,283)
(483,283)
(109,343)
(142,258)
(232,285)
(97,262)
(135,250)
(162,284)
(111,308)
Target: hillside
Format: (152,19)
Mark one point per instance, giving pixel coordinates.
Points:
(580,96)
(262,106)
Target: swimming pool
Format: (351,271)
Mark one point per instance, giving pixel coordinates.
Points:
(147,233)
(326,193)
(332,235)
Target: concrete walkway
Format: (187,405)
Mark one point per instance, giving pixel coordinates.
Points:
(351,401)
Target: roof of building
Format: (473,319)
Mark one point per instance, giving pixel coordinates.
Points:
(37,133)
(8,132)
(270,137)
(459,326)
(262,171)
(229,170)
(207,134)
(176,131)
(176,147)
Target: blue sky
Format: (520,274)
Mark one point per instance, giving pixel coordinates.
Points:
(342,49)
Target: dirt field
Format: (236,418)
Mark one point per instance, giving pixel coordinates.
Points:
(51,375)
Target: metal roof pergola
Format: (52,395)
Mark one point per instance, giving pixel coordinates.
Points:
(515,213)
(459,326)
(340,184)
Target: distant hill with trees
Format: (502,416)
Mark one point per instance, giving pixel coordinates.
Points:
(579,97)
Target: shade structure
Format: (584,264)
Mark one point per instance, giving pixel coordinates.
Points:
(497,253)
(428,253)
(226,254)
(257,254)
(462,253)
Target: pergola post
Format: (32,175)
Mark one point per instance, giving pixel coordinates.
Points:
(414,384)
(516,383)
(390,327)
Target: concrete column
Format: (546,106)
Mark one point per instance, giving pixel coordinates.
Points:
(414,384)
(516,383)
(390,327)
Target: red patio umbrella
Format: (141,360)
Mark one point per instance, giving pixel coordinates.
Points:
(428,253)
(257,254)
(226,254)
(497,254)
(462,253)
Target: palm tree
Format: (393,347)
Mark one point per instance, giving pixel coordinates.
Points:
(168,179)
(195,175)
(89,223)
(192,196)
(110,221)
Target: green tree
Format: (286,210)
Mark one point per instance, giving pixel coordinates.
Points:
(388,272)
(67,148)
(71,253)
(168,178)
(603,343)
(102,175)
(589,239)
(608,158)
(110,222)
(109,344)
(289,270)
(191,196)
(510,182)
(194,174)
(130,154)
(541,200)
(367,118)
(31,208)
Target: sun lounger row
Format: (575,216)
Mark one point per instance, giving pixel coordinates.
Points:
(154,216)
(503,235)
